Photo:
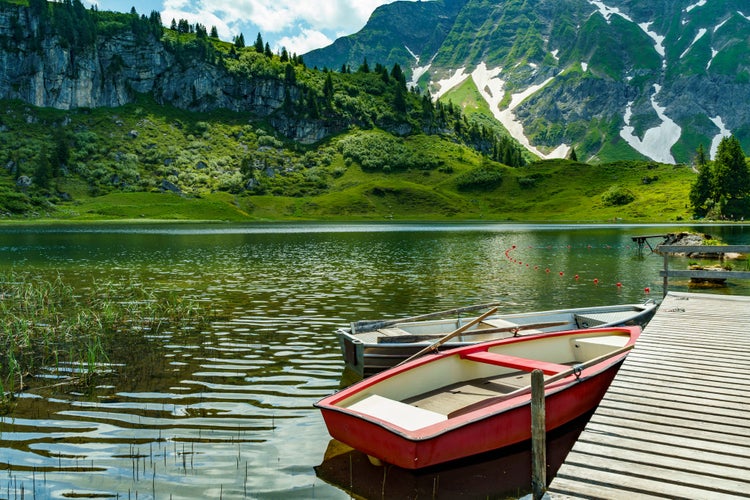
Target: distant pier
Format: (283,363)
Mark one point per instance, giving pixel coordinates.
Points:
(675,423)
(642,241)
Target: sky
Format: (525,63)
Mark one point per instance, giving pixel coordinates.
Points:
(298,25)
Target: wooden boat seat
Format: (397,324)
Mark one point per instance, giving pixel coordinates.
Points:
(515,362)
(499,323)
(402,414)
(592,347)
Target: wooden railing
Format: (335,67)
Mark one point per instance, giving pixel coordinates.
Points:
(667,250)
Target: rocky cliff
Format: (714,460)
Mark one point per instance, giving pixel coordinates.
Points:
(43,68)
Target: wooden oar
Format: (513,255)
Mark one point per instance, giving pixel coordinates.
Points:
(369,325)
(516,330)
(452,334)
(523,390)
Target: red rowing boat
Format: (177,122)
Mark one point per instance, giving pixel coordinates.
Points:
(470,400)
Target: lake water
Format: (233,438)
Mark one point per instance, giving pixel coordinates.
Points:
(227,412)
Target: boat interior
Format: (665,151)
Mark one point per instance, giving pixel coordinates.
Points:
(461,383)
(490,328)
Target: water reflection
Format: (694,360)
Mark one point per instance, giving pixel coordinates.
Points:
(226,411)
(503,474)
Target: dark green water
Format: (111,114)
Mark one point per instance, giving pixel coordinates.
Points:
(227,411)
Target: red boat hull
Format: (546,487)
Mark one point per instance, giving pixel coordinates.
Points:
(495,426)
(486,433)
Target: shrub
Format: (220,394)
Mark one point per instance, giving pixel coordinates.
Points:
(485,178)
(617,196)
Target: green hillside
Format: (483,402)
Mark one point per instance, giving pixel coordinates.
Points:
(146,161)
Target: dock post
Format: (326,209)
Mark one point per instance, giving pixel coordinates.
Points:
(665,285)
(538,436)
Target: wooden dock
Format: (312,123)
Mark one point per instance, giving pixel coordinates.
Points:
(675,423)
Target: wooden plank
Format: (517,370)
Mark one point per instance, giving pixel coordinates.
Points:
(701,358)
(630,486)
(514,362)
(703,248)
(685,442)
(671,460)
(665,450)
(705,274)
(684,399)
(693,413)
(707,429)
(679,379)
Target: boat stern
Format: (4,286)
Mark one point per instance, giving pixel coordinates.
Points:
(352,350)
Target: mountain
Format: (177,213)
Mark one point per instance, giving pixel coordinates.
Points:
(615,79)
(419,28)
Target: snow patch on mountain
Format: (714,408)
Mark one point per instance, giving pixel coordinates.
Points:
(743,15)
(417,73)
(608,12)
(445,85)
(700,3)
(723,132)
(658,39)
(713,55)
(658,141)
(716,28)
(700,34)
(492,89)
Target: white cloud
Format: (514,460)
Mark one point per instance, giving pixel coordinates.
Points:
(306,41)
(299,26)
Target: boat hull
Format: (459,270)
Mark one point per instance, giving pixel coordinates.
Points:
(479,435)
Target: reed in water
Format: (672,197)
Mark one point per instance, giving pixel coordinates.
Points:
(45,325)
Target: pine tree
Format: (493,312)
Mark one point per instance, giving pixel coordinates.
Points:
(700,159)
(43,171)
(731,175)
(700,191)
(399,101)
(61,153)
(239,41)
(328,89)
(259,44)
(290,76)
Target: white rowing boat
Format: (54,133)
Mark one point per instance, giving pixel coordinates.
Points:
(369,347)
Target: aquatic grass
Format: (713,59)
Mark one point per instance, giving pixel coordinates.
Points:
(45,325)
